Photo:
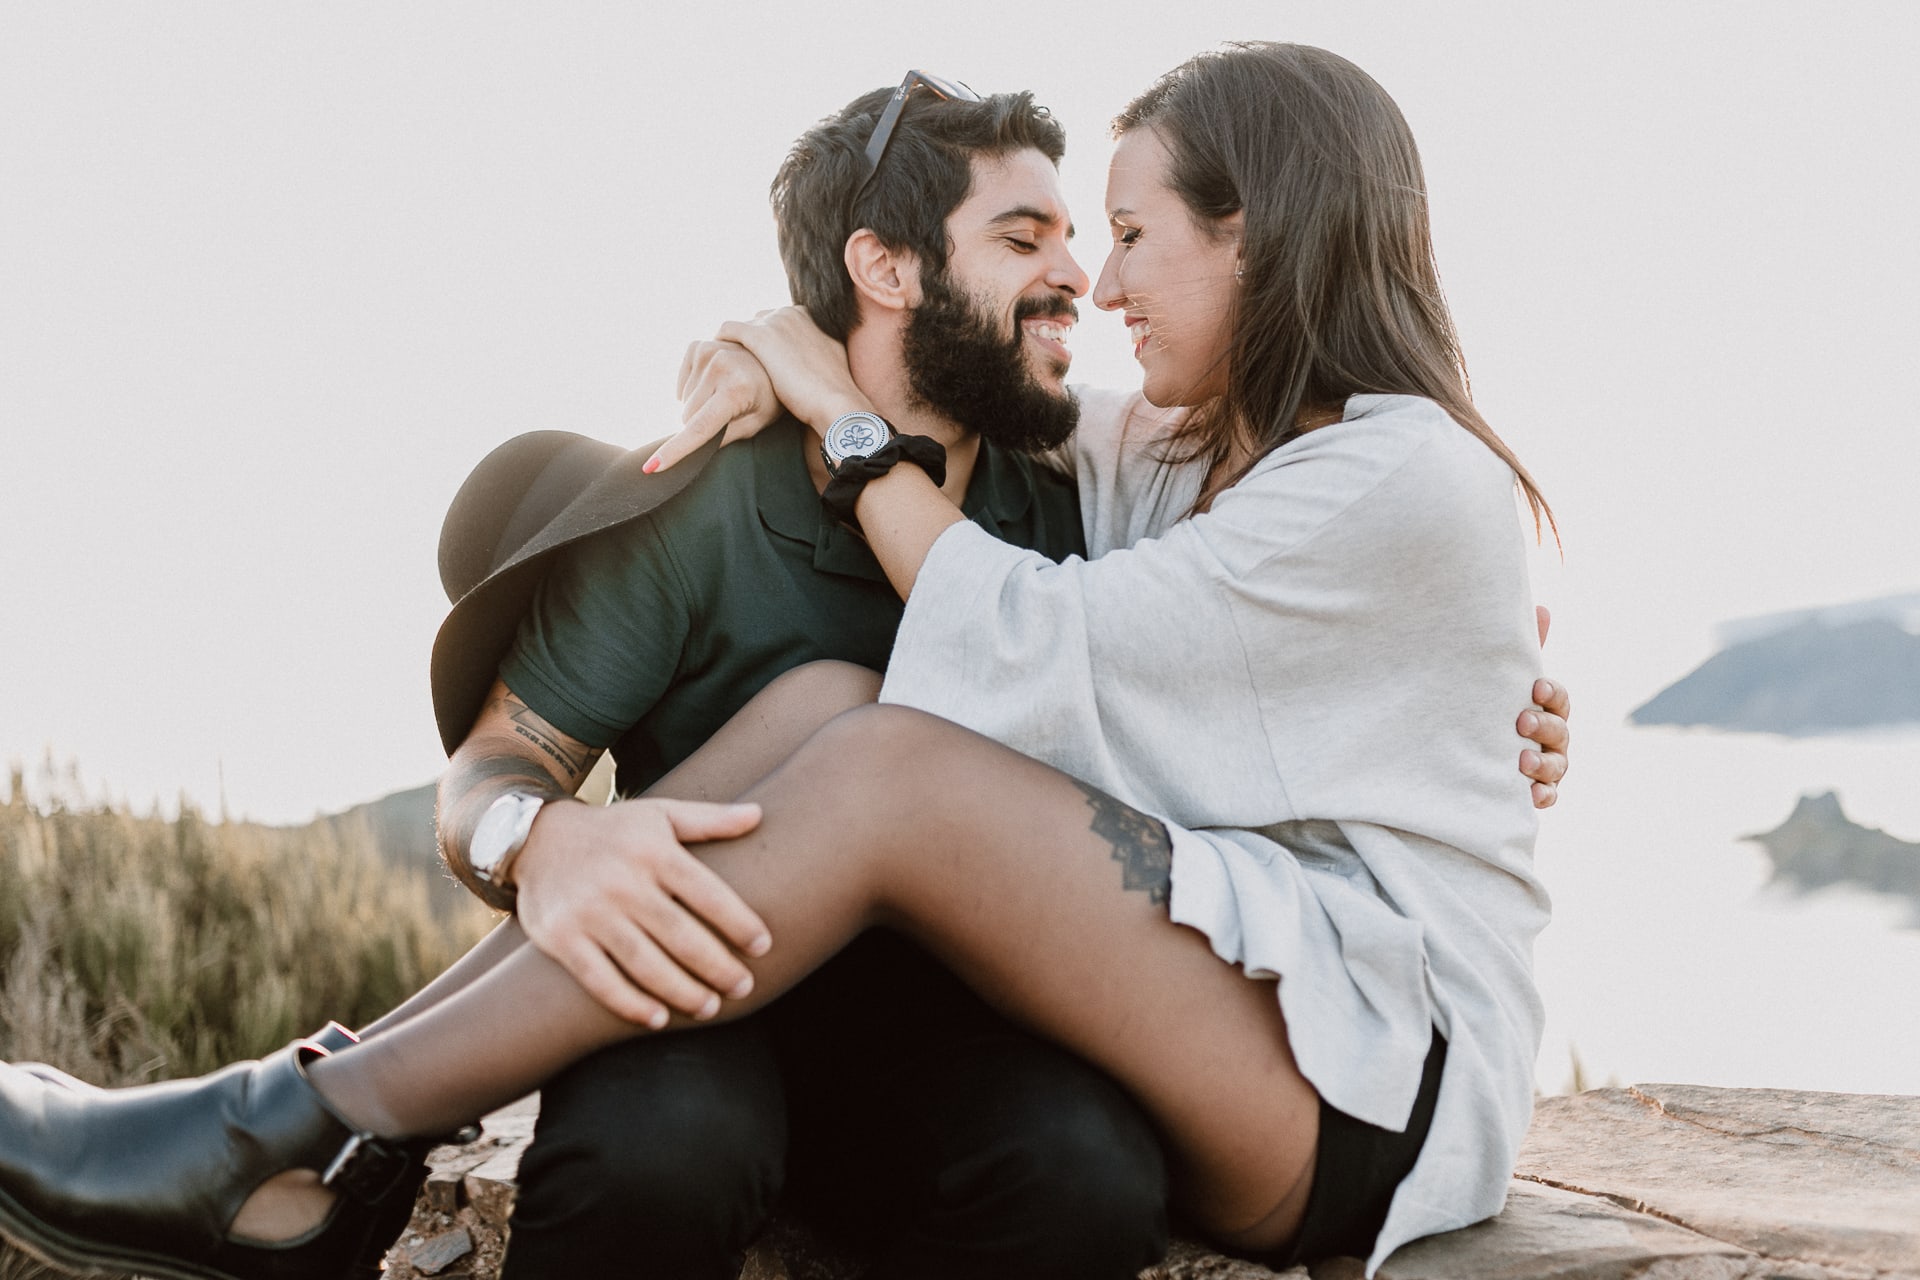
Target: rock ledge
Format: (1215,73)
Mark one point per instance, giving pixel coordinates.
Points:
(1652,1182)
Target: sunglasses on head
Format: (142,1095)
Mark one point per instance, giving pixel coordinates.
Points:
(939,86)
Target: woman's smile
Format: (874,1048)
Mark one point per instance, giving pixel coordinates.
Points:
(1173,278)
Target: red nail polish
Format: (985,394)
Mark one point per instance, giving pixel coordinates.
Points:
(650,466)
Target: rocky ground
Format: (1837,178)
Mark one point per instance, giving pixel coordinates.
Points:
(1663,1182)
(1652,1182)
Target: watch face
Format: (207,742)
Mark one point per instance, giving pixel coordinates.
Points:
(488,848)
(855,436)
(501,832)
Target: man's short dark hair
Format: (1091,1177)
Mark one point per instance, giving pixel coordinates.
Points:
(924,176)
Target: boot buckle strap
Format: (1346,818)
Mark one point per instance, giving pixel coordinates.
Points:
(367,1168)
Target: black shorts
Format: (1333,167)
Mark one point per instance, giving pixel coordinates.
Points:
(1356,1170)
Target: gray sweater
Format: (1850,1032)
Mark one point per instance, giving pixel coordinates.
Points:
(1314,685)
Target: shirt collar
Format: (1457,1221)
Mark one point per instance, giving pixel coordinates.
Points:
(1000,491)
(782,487)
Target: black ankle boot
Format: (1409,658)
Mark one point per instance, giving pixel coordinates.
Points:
(394,1215)
(333,1037)
(149,1179)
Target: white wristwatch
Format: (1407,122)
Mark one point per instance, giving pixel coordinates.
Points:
(853,435)
(502,834)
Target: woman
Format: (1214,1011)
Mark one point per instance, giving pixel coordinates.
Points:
(1331,473)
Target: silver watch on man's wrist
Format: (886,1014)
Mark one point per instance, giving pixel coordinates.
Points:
(501,835)
(853,435)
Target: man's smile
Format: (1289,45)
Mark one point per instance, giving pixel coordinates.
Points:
(1050,334)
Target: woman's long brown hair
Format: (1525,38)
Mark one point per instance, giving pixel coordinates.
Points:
(1339,292)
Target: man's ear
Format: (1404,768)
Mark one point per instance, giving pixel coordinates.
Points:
(882,277)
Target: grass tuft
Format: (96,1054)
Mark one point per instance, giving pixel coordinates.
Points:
(137,948)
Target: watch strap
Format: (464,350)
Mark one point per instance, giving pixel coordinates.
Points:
(843,491)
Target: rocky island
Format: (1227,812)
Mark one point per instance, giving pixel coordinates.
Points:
(1815,676)
(1818,845)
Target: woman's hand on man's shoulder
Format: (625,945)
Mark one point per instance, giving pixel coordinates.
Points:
(723,388)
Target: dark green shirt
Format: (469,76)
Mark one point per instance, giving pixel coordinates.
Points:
(648,637)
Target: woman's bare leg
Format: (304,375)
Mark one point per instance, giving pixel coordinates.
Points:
(769,728)
(1047,896)
(501,942)
(763,733)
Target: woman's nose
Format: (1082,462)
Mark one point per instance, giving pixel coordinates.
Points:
(1107,293)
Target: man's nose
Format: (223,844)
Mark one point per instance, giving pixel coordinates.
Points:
(1065,273)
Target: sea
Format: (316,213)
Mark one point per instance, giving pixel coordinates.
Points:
(1670,956)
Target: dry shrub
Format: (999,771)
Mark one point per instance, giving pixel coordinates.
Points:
(137,948)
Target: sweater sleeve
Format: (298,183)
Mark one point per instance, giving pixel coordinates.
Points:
(1201,674)
(1130,671)
(1056,661)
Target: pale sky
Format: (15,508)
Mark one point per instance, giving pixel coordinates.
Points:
(272,278)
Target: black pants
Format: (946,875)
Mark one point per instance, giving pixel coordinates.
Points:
(884,1101)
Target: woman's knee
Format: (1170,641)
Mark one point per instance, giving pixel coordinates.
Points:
(885,736)
(826,682)
(889,767)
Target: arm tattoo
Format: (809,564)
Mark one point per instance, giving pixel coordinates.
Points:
(1139,844)
(529,725)
(483,771)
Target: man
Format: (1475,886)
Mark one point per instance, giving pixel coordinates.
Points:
(881,1093)
(961,1145)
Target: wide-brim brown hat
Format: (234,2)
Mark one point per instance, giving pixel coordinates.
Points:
(525,501)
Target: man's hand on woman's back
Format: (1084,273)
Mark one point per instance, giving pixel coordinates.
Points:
(1545,722)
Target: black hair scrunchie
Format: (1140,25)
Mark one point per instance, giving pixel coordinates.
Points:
(844,489)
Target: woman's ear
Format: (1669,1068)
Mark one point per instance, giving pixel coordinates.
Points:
(882,277)
(1229,235)
(1234,227)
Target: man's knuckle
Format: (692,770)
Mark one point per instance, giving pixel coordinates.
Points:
(645,972)
(673,987)
(720,970)
(687,940)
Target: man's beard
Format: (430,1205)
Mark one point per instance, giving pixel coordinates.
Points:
(960,365)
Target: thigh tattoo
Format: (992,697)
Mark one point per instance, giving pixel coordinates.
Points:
(1138,843)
